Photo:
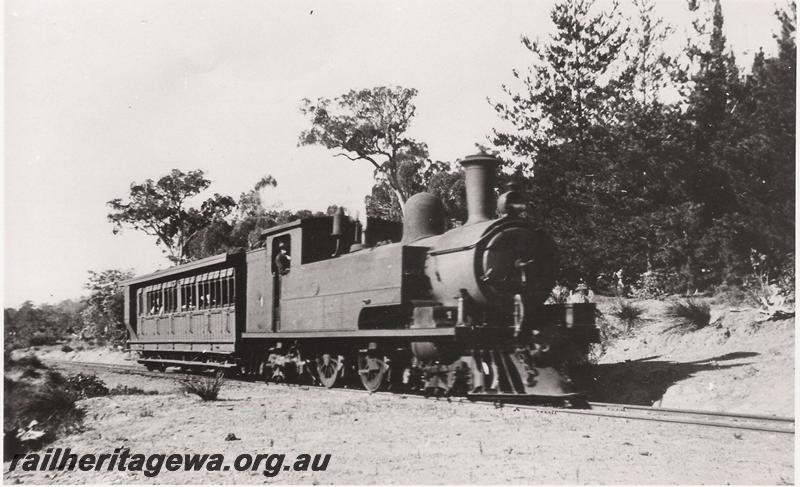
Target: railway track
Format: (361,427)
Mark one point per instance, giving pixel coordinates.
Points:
(751,422)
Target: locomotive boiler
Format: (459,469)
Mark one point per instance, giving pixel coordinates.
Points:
(404,307)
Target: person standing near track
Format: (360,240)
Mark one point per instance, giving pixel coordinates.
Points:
(582,294)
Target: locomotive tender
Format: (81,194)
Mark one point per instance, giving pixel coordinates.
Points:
(413,307)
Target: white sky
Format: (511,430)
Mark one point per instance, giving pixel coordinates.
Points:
(101,93)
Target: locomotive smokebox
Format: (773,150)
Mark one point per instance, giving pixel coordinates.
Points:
(479,174)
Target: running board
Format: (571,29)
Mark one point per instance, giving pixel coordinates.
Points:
(145,361)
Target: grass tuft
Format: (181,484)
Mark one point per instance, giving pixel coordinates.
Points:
(690,314)
(206,388)
(628,313)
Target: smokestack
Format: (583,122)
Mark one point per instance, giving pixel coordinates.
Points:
(479,173)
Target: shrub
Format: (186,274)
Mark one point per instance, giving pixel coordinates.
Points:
(51,401)
(608,334)
(29,361)
(30,373)
(66,349)
(731,294)
(628,313)
(650,285)
(770,290)
(207,388)
(56,378)
(122,390)
(87,386)
(786,279)
(39,418)
(690,314)
(40,339)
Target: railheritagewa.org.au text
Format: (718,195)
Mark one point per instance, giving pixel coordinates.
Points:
(152,464)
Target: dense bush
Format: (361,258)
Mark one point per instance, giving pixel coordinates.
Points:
(41,339)
(56,378)
(650,285)
(50,401)
(39,325)
(37,416)
(29,361)
(36,413)
(680,190)
(85,386)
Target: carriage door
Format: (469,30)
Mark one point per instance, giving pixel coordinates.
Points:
(281,265)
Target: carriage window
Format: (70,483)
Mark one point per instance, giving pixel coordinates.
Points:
(171,299)
(216,292)
(206,299)
(226,291)
(202,302)
(188,296)
(154,302)
(223,295)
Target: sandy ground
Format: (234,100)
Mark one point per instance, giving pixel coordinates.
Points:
(392,439)
(737,364)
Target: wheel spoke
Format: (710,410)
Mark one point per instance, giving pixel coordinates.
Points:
(372,371)
(328,370)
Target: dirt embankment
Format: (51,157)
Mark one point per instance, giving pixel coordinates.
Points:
(79,352)
(736,364)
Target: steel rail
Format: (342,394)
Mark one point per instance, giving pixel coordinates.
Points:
(770,424)
(698,412)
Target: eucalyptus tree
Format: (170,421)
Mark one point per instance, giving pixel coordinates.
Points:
(160,209)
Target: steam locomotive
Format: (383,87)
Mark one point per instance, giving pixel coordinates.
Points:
(401,306)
